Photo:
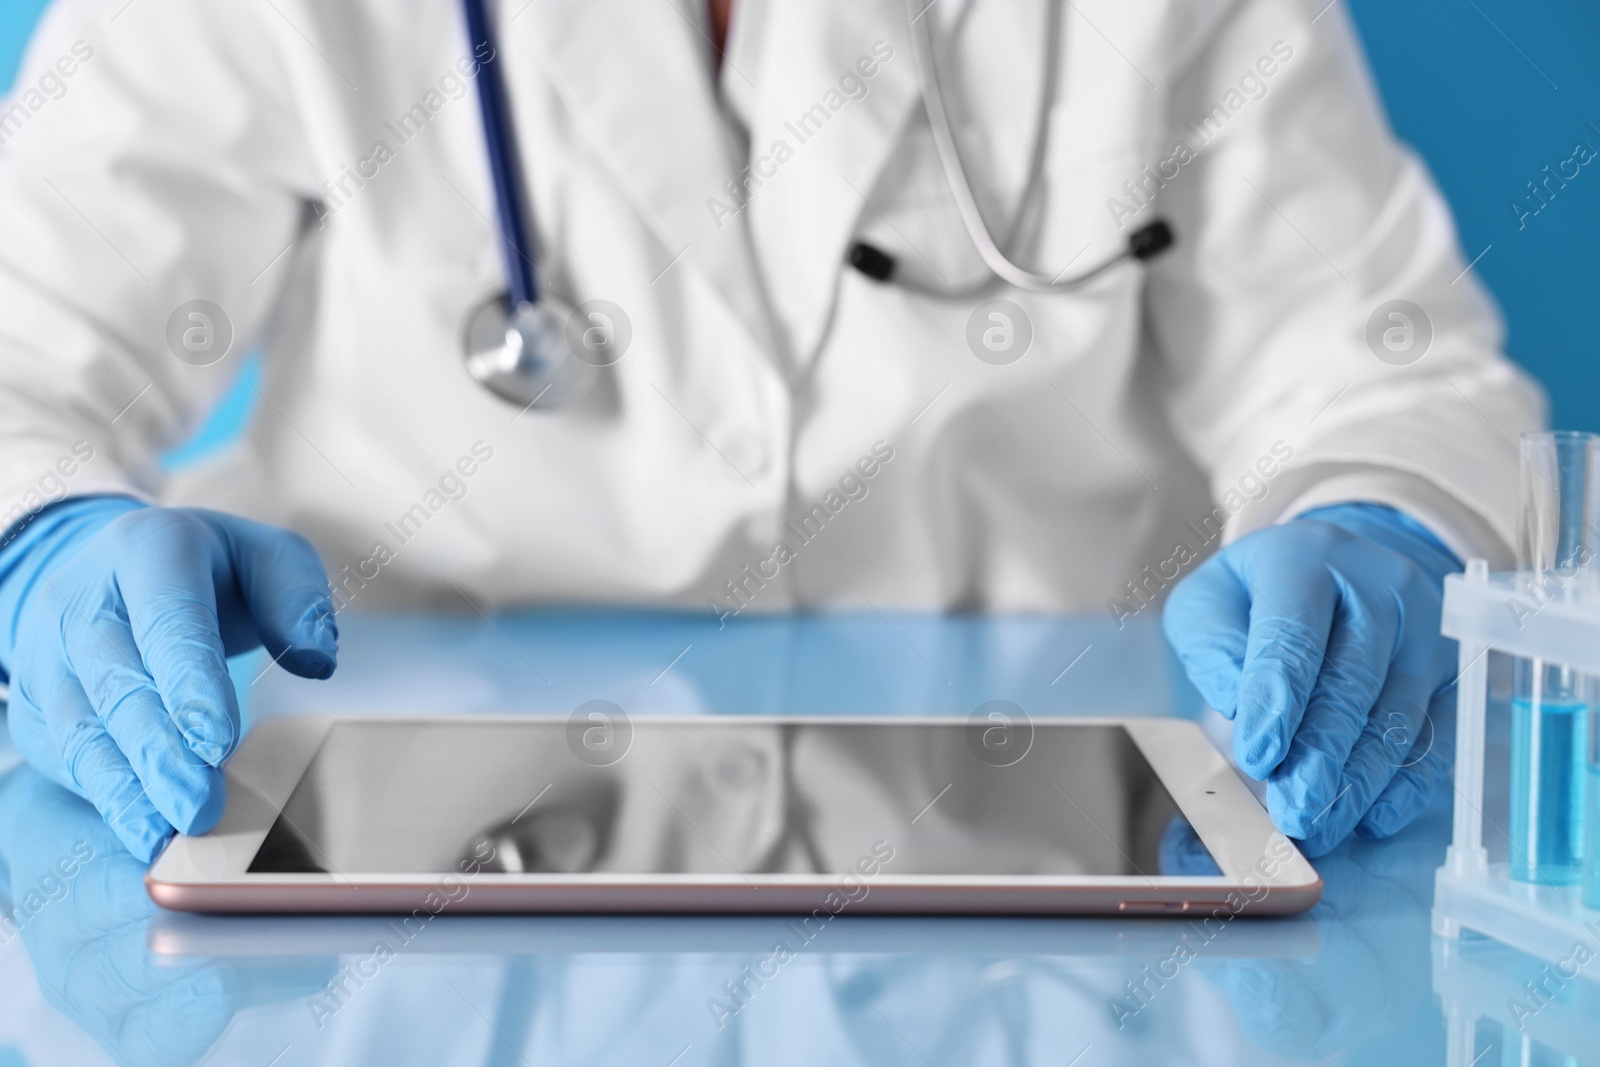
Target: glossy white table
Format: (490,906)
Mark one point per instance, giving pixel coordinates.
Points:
(100,975)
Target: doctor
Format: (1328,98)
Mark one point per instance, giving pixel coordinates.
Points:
(813,392)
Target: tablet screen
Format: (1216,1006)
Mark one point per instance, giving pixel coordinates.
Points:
(731,797)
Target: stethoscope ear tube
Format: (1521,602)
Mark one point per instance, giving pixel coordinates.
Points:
(1144,243)
(501,144)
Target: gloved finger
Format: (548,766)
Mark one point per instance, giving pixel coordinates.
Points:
(294,979)
(1207,620)
(108,893)
(1362,981)
(1414,782)
(285,589)
(1292,602)
(85,758)
(112,971)
(1400,710)
(143,1012)
(178,1025)
(185,789)
(1398,717)
(167,570)
(1354,673)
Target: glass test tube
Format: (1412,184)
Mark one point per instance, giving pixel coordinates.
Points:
(1591,807)
(1551,703)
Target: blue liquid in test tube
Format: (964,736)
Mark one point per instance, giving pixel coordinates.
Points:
(1591,807)
(1558,545)
(1549,758)
(1591,866)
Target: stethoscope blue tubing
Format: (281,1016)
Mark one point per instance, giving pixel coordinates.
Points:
(501,143)
(509,187)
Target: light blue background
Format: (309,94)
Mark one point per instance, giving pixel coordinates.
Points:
(1488,91)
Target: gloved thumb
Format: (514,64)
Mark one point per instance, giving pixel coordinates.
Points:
(285,590)
(1207,620)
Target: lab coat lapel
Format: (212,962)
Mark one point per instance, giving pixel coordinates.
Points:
(636,75)
(803,216)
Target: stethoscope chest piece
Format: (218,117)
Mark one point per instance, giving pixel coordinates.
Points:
(523,355)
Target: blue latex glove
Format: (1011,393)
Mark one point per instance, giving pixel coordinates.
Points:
(80,904)
(115,621)
(1320,639)
(1370,976)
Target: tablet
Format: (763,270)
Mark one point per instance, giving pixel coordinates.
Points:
(807,814)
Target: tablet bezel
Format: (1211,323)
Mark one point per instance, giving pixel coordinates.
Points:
(1263,874)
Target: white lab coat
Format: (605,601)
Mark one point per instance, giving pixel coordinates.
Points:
(184,158)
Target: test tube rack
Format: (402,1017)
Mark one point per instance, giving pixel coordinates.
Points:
(1510,613)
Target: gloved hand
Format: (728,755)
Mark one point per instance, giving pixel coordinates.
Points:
(80,904)
(1320,639)
(1367,980)
(115,619)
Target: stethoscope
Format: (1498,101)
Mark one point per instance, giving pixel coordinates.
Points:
(524,347)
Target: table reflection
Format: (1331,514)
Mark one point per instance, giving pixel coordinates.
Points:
(162,989)
(95,973)
(898,663)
